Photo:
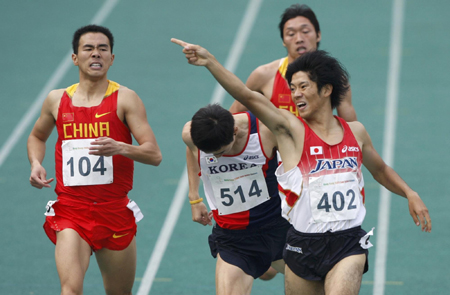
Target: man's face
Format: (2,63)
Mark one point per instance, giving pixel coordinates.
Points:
(299,36)
(94,54)
(306,96)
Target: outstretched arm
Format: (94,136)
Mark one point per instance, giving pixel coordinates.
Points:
(199,211)
(387,177)
(254,101)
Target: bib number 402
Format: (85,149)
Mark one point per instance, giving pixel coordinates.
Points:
(254,191)
(338,201)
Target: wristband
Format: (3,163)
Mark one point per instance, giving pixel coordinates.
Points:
(196,201)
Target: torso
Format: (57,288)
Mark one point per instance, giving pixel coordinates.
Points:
(84,176)
(326,174)
(234,197)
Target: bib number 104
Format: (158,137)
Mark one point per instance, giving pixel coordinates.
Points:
(337,201)
(84,166)
(254,191)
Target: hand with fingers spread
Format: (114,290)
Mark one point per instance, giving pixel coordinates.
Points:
(195,54)
(419,212)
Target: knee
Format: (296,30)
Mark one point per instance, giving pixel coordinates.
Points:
(67,289)
(114,291)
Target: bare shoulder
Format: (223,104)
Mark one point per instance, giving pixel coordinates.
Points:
(356,127)
(128,99)
(125,92)
(186,134)
(51,103)
(359,131)
(266,71)
(55,95)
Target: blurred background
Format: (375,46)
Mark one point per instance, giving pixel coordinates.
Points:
(35,50)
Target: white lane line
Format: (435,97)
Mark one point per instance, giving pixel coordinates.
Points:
(389,143)
(51,84)
(182,190)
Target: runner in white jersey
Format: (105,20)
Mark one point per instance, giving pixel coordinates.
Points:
(235,156)
(330,255)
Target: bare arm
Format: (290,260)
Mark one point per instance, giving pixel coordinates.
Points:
(387,177)
(258,81)
(135,115)
(36,144)
(346,110)
(199,211)
(257,103)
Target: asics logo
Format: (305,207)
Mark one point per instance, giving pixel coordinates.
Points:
(350,149)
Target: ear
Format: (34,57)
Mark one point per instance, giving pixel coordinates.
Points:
(319,36)
(235,130)
(112,59)
(327,90)
(75,59)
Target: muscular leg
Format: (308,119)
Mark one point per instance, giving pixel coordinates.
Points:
(345,277)
(118,269)
(231,280)
(72,255)
(295,285)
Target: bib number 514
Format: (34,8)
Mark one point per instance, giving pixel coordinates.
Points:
(254,191)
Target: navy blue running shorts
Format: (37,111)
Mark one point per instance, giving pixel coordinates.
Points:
(312,255)
(252,250)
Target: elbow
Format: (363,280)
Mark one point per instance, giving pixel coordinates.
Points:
(157,159)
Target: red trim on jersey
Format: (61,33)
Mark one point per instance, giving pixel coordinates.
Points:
(291,197)
(238,220)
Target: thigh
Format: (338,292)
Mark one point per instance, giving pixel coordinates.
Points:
(72,255)
(295,285)
(118,268)
(231,280)
(278,265)
(345,277)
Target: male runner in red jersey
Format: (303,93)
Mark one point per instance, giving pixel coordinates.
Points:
(94,158)
(320,179)
(300,32)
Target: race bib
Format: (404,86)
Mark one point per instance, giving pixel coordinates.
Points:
(81,168)
(334,197)
(240,190)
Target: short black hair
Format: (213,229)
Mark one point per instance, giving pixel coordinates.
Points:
(323,69)
(91,29)
(299,10)
(212,127)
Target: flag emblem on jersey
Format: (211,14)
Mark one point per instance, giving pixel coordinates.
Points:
(316,150)
(284,98)
(67,117)
(211,160)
